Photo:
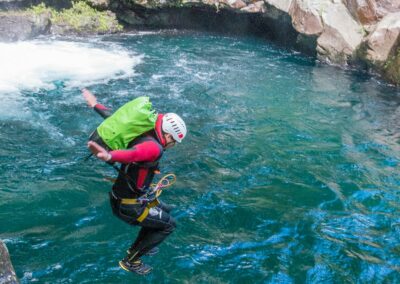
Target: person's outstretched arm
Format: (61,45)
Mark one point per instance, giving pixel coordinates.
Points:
(92,102)
(147,151)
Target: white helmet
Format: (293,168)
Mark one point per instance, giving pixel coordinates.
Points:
(174,125)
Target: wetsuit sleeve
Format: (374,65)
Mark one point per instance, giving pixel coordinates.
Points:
(102,110)
(147,151)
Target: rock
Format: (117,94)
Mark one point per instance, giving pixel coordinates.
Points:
(131,18)
(368,12)
(385,7)
(23,4)
(326,27)
(341,35)
(283,5)
(365,11)
(236,4)
(23,25)
(380,44)
(7,273)
(99,4)
(257,7)
(391,69)
(306,17)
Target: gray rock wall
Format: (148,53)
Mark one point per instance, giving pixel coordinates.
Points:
(22,26)
(20,4)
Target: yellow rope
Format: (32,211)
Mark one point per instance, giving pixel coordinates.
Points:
(165,181)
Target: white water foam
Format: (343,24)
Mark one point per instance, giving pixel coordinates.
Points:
(37,64)
(40,64)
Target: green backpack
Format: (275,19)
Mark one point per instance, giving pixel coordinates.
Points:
(128,122)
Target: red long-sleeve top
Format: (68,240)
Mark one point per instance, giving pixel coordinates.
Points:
(147,151)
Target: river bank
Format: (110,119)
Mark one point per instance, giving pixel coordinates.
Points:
(362,34)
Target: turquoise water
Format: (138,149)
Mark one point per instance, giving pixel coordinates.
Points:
(289,174)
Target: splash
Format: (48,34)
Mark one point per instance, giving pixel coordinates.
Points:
(39,64)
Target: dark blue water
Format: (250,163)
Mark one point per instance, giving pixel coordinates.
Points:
(289,174)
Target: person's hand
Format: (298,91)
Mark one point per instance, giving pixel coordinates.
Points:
(89,97)
(99,151)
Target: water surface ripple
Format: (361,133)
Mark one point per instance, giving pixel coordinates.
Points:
(290,172)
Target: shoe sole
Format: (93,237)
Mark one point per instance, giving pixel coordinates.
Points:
(126,269)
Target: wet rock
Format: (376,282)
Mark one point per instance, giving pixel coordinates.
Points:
(7,273)
(23,25)
(391,70)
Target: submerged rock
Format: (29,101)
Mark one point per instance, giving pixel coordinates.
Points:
(7,273)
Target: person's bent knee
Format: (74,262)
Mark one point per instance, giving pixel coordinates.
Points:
(171,226)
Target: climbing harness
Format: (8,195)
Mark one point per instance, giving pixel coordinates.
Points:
(150,197)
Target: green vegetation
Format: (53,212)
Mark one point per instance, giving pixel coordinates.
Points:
(392,68)
(80,19)
(40,9)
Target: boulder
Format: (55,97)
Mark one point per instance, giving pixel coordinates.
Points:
(341,35)
(282,5)
(383,41)
(391,70)
(99,4)
(365,11)
(306,16)
(385,7)
(23,25)
(368,12)
(257,7)
(7,273)
(236,4)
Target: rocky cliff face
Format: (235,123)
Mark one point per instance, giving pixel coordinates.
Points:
(22,25)
(342,32)
(79,19)
(20,4)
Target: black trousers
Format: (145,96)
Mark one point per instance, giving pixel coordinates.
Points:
(154,228)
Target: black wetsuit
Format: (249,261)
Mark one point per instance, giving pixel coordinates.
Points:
(133,181)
